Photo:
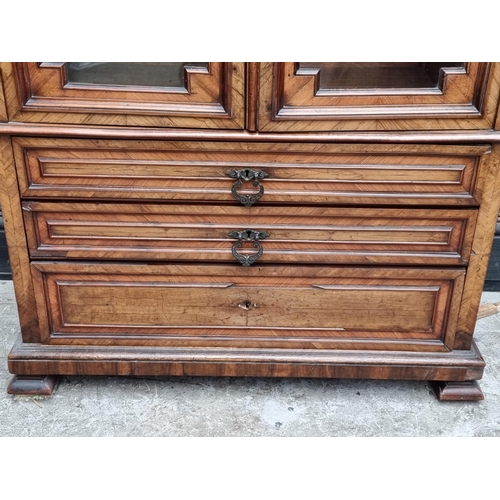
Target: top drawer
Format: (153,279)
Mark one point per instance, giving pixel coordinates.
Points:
(288,173)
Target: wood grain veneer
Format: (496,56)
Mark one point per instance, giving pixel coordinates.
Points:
(40,92)
(322,307)
(291,100)
(296,234)
(298,173)
(17,245)
(379,206)
(35,359)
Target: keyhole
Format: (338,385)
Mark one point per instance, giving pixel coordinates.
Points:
(245,305)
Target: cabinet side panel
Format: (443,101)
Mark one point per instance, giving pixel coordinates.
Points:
(488,189)
(16,240)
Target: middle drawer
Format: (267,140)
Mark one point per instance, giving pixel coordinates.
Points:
(233,234)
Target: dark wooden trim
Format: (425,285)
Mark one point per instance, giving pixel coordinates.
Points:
(277,97)
(23,83)
(481,87)
(252,93)
(225,86)
(42,385)
(458,391)
(37,359)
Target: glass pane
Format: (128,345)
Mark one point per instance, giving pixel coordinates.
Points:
(378,75)
(144,74)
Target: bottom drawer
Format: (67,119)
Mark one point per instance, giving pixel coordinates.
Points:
(268,306)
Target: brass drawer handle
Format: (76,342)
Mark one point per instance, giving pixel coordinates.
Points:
(247,235)
(247,175)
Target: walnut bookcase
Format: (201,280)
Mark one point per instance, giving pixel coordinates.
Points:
(249,219)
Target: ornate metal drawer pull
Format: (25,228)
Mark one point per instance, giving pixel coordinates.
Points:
(247,235)
(247,175)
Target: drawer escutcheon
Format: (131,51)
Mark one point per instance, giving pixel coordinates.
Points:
(247,235)
(247,175)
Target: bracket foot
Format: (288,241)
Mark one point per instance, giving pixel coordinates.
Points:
(468,390)
(32,386)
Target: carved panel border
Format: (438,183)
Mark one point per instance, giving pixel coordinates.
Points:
(213,98)
(444,284)
(466,98)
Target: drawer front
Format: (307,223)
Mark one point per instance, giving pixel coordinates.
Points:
(206,233)
(288,307)
(290,173)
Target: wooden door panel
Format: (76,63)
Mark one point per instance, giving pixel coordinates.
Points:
(289,307)
(294,97)
(295,173)
(210,96)
(203,233)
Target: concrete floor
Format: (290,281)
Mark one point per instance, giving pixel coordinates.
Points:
(246,407)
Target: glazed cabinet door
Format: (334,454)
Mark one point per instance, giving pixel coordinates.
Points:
(167,94)
(326,96)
